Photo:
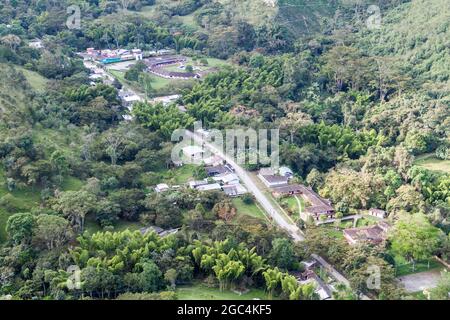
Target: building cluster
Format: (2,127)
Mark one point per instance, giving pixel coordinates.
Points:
(221,176)
(278,183)
(108,56)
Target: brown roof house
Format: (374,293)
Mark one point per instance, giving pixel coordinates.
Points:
(287,190)
(270,179)
(319,206)
(372,234)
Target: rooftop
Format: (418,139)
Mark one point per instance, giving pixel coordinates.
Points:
(373,234)
(274,178)
(289,188)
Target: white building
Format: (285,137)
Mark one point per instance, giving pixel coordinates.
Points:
(162,187)
(273,181)
(36,44)
(213,161)
(234,190)
(227,178)
(197,183)
(193,152)
(209,187)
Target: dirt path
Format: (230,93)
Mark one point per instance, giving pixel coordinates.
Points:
(420,281)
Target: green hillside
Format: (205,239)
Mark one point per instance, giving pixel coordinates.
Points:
(418,33)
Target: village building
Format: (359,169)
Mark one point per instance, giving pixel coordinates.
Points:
(217,170)
(377,213)
(156,66)
(176,163)
(155,229)
(372,234)
(209,187)
(108,56)
(214,160)
(267,171)
(162,187)
(234,190)
(193,152)
(309,276)
(273,181)
(318,205)
(287,190)
(36,44)
(227,178)
(197,183)
(166,100)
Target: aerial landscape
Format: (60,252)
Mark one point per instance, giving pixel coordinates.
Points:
(225,150)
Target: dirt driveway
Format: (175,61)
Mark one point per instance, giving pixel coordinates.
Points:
(420,281)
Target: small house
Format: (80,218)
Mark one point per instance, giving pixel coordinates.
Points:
(197,183)
(193,152)
(372,234)
(234,190)
(162,187)
(217,170)
(287,190)
(273,181)
(377,213)
(227,178)
(209,187)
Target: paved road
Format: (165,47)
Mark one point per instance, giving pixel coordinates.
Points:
(265,203)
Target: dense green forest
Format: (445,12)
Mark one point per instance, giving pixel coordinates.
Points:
(363,114)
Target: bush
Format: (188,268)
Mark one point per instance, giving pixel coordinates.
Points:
(248,199)
(443,152)
(8,201)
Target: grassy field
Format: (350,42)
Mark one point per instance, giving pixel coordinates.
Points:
(21,200)
(179,175)
(251,210)
(201,292)
(158,83)
(430,162)
(366,221)
(91,226)
(37,82)
(292,207)
(404,268)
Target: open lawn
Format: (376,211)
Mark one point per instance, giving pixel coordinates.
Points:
(366,221)
(251,210)
(91,226)
(430,162)
(404,268)
(158,83)
(37,82)
(201,292)
(179,175)
(291,205)
(332,231)
(21,200)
